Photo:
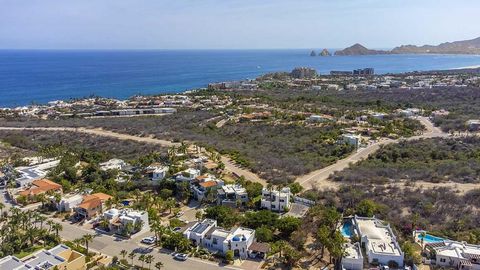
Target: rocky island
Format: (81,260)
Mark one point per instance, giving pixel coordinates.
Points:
(325,52)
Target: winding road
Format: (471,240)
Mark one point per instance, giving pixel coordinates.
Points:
(319,178)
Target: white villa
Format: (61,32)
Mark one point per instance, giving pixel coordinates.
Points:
(118,219)
(203,184)
(208,235)
(276,200)
(188,175)
(458,255)
(113,164)
(352,139)
(69,203)
(231,195)
(380,243)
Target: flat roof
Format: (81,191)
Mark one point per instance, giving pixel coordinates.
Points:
(380,236)
(201,227)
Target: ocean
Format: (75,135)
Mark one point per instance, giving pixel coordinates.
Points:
(28,77)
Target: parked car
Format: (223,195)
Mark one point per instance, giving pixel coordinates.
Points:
(176,229)
(149,240)
(179,214)
(180,256)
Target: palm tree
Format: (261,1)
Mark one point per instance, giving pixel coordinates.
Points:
(149,260)
(57,227)
(50,225)
(159,265)
(87,238)
(77,242)
(142,259)
(123,253)
(132,256)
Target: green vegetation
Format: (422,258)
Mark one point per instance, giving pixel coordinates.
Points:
(433,160)
(23,232)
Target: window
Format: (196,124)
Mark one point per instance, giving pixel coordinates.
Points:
(282,200)
(442,260)
(214,241)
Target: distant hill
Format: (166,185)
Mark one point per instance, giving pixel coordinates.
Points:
(458,47)
(359,49)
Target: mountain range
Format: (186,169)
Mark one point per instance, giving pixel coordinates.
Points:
(471,46)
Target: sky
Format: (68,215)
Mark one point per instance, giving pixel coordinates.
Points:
(233,24)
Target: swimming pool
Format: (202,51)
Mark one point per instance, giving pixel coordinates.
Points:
(347,230)
(430,238)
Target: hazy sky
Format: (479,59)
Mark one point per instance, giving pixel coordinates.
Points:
(233,24)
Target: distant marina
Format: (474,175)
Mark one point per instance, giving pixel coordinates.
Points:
(28,77)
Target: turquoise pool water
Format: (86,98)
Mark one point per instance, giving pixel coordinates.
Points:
(430,238)
(347,230)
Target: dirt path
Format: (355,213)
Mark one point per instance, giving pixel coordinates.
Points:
(229,165)
(319,178)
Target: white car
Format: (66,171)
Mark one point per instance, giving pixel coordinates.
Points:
(180,256)
(149,240)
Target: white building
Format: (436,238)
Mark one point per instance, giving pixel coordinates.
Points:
(352,139)
(68,204)
(208,235)
(118,219)
(459,255)
(380,243)
(113,164)
(276,200)
(188,175)
(159,173)
(319,118)
(29,174)
(232,195)
(352,258)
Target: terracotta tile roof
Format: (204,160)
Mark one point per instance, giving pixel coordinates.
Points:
(39,187)
(102,196)
(208,184)
(90,202)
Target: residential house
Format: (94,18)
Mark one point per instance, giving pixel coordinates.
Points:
(119,220)
(156,171)
(31,173)
(42,186)
(276,200)
(320,118)
(378,240)
(216,239)
(188,175)
(60,257)
(69,203)
(232,195)
(352,139)
(457,255)
(91,205)
(113,164)
(204,184)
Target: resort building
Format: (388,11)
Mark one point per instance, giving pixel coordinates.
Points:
(208,235)
(276,200)
(60,257)
(232,196)
(381,246)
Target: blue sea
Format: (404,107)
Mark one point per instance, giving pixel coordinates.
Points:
(40,76)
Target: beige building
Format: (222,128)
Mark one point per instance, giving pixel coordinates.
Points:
(60,257)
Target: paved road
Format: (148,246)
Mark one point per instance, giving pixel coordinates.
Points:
(319,178)
(112,246)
